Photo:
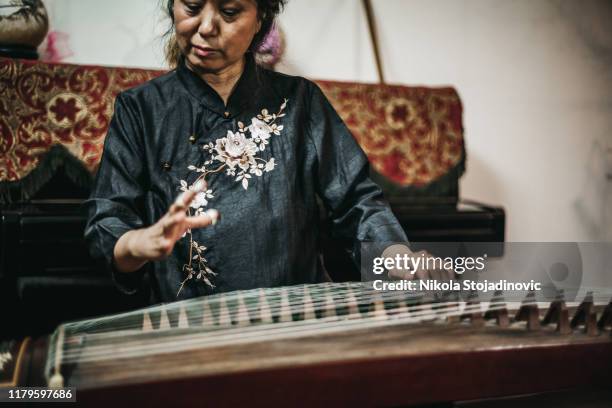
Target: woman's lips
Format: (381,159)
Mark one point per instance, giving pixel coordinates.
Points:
(204,51)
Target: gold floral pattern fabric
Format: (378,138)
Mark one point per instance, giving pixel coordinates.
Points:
(43,104)
(411,135)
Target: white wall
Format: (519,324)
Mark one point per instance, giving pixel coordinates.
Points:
(535,78)
(111,32)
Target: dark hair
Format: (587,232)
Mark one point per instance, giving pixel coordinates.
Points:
(267,11)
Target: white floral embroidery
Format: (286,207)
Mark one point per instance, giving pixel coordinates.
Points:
(201,198)
(236,154)
(260,131)
(236,150)
(270,165)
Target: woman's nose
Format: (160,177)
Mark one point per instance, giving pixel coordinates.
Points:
(208,21)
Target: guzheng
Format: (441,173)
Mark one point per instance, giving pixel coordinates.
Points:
(339,343)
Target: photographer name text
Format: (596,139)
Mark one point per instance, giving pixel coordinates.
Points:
(469,285)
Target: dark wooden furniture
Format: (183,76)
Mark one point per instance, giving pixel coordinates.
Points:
(46,273)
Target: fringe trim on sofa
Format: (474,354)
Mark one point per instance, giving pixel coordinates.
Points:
(57,157)
(444,188)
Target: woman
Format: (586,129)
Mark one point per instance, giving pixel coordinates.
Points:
(255,145)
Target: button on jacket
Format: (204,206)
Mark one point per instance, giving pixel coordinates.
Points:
(266,157)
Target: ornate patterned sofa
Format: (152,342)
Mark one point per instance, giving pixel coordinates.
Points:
(53,120)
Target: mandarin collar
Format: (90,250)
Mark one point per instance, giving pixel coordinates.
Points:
(245,91)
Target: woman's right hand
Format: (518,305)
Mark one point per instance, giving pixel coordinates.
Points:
(136,247)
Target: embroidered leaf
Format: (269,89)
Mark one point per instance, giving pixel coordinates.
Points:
(270,165)
(245,183)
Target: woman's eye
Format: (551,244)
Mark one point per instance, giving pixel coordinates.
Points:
(230,12)
(192,8)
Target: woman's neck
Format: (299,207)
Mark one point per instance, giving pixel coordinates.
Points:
(224,81)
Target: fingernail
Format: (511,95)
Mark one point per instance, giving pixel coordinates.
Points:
(180,200)
(200,185)
(214,215)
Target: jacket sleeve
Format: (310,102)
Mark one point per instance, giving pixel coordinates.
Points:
(115,205)
(355,204)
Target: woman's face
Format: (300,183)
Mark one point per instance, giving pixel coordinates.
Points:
(215,34)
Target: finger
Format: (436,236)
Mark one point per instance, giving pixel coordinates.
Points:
(209,217)
(400,274)
(182,201)
(437,274)
(177,219)
(171,223)
(422,274)
(200,185)
(450,274)
(162,249)
(411,274)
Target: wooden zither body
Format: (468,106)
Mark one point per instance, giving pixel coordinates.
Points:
(337,344)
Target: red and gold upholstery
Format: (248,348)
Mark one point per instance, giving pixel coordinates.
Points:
(45,104)
(412,135)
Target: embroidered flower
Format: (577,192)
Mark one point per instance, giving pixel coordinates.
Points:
(236,150)
(237,155)
(270,165)
(260,132)
(201,198)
